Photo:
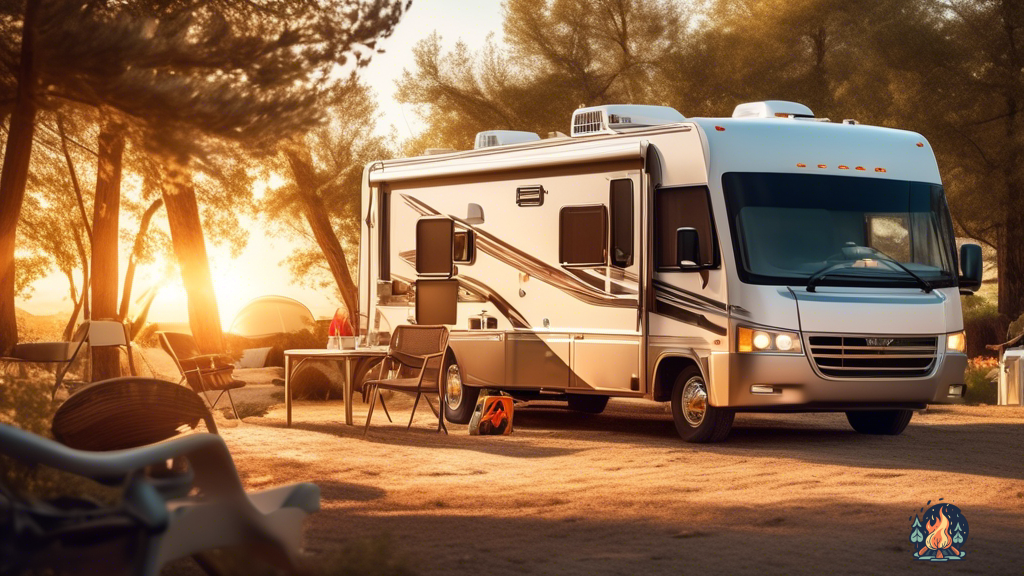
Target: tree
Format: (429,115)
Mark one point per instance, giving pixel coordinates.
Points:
(182,72)
(326,169)
(560,54)
(972,87)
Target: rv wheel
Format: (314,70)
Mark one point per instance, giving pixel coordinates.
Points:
(887,422)
(459,400)
(696,419)
(587,403)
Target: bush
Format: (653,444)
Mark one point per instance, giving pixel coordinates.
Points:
(982,380)
(983,325)
(25,403)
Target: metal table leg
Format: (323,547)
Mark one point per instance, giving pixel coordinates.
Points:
(347,391)
(288,390)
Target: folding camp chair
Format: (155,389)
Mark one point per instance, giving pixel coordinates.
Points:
(97,333)
(152,523)
(204,372)
(415,355)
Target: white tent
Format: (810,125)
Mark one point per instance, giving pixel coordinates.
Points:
(272,315)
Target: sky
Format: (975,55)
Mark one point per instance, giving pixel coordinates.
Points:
(257,271)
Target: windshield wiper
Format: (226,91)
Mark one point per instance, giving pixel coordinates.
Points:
(925,285)
(820,275)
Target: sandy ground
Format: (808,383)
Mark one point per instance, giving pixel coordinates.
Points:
(619,493)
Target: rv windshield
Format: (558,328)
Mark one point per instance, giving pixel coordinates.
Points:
(787,227)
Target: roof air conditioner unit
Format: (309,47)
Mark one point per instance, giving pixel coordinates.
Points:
(491,138)
(772,109)
(611,118)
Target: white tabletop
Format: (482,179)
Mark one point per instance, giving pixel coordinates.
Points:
(336,353)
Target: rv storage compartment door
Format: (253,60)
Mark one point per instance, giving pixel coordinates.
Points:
(605,362)
(537,360)
(481,356)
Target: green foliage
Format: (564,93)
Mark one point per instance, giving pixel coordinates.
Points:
(338,151)
(983,324)
(25,403)
(975,308)
(27,270)
(981,389)
(559,54)
(247,410)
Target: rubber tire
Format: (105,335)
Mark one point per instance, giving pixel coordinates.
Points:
(880,422)
(717,421)
(587,403)
(469,396)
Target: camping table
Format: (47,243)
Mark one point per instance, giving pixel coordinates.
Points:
(294,358)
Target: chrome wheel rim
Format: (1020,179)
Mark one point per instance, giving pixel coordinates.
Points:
(694,401)
(453,387)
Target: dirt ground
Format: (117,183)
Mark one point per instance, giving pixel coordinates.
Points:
(619,493)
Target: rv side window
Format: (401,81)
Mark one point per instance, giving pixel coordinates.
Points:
(434,240)
(621,201)
(582,235)
(685,207)
(464,245)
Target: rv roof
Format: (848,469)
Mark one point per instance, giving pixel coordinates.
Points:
(777,143)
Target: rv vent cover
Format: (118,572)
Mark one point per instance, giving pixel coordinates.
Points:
(613,117)
(772,109)
(491,138)
(530,195)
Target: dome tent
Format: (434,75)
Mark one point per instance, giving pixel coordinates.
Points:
(270,316)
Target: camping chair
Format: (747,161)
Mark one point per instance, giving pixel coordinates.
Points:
(150,524)
(128,412)
(415,356)
(204,372)
(97,333)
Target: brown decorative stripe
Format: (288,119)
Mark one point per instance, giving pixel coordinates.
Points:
(508,254)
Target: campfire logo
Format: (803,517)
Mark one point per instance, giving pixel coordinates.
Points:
(939,534)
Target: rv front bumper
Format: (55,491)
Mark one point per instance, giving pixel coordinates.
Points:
(789,382)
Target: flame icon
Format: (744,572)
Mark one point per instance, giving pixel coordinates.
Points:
(940,540)
(938,533)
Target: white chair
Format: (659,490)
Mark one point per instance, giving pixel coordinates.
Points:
(155,520)
(97,333)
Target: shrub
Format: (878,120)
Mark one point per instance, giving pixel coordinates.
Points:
(982,380)
(983,325)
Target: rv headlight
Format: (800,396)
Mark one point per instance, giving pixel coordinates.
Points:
(757,340)
(956,342)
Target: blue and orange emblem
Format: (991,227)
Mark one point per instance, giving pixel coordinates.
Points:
(939,534)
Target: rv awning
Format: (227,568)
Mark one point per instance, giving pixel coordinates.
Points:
(491,160)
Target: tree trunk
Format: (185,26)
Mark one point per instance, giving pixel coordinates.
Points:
(1011,269)
(1011,249)
(320,223)
(105,231)
(140,241)
(15,175)
(190,251)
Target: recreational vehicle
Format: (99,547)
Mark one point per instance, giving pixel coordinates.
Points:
(771,261)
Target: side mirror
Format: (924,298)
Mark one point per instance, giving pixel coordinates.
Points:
(970,266)
(688,249)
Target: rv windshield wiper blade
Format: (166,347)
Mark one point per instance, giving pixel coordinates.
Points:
(820,275)
(925,285)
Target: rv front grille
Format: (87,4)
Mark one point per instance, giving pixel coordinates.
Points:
(874,356)
(587,123)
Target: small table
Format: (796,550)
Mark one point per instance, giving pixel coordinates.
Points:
(294,358)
